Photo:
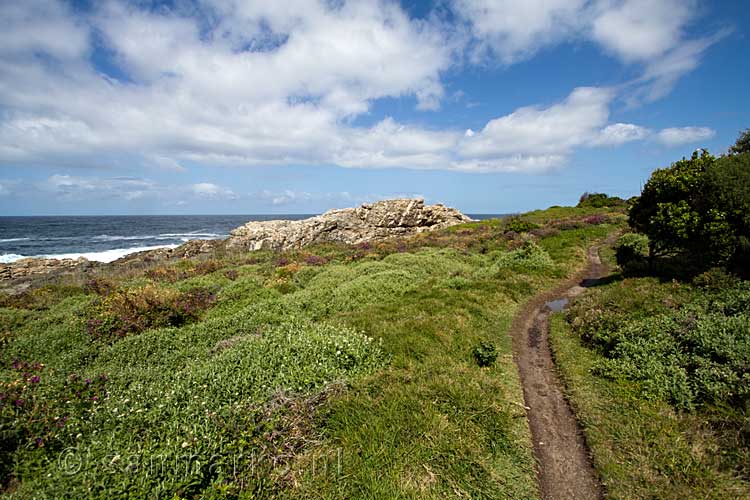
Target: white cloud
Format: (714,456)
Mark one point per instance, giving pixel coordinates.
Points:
(620,133)
(645,32)
(75,188)
(513,30)
(40,26)
(195,96)
(91,188)
(262,83)
(554,130)
(638,30)
(662,74)
(684,135)
(290,196)
(210,191)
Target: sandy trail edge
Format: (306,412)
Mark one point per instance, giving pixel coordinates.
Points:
(565,469)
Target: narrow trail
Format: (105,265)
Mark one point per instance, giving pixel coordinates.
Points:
(564,460)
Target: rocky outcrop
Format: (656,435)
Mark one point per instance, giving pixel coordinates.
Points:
(187,250)
(368,222)
(30,267)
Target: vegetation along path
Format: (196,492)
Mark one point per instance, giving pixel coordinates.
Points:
(565,468)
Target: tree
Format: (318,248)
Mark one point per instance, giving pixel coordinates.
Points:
(728,185)
(599,200)
(698,207)
(742,145)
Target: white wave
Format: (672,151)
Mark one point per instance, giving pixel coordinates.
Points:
(103,256)
(9,240)
(194,235)
(7,258)
(106,255)
(106,237)
(163,236)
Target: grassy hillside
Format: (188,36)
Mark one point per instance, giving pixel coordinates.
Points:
(333,372)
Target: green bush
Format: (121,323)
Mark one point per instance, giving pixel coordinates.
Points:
(698,208)
(631,251)
(529,256)
(485,354)
(599,200)
(518,225)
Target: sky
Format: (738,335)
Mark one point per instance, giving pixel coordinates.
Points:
(246,107)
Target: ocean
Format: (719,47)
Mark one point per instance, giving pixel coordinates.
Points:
(107,238)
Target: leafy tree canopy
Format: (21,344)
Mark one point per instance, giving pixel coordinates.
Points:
(742,145)
(699,207)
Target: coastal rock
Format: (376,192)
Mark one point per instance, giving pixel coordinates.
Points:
(376,221)
(29,267)
(187,250)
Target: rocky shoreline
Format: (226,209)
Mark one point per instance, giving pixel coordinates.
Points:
(368,222)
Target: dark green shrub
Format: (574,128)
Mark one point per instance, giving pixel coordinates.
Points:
(742,145)
(716,278)
(599,200)
(698,208)
(631,251)
(518,225)
(485,354)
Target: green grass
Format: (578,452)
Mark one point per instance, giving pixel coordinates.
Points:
(350,379)
(645,443)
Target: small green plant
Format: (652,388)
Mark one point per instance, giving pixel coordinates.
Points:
(485,354)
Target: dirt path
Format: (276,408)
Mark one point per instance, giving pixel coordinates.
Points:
(565,469)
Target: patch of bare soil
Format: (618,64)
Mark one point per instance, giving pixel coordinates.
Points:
(565,469)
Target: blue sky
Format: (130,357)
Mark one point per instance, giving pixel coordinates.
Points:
(229,106)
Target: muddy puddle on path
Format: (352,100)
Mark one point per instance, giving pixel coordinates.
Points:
(557,305)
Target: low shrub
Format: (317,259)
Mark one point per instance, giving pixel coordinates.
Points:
(594,220)
(519,225)
(315,260)
(36,406)
(715,279)
(631,251)
(569,224)
(693,353)
(98,286)
(528,256)
(545,232)
(127,312)
(183,270)
(38,298)
(485,354)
